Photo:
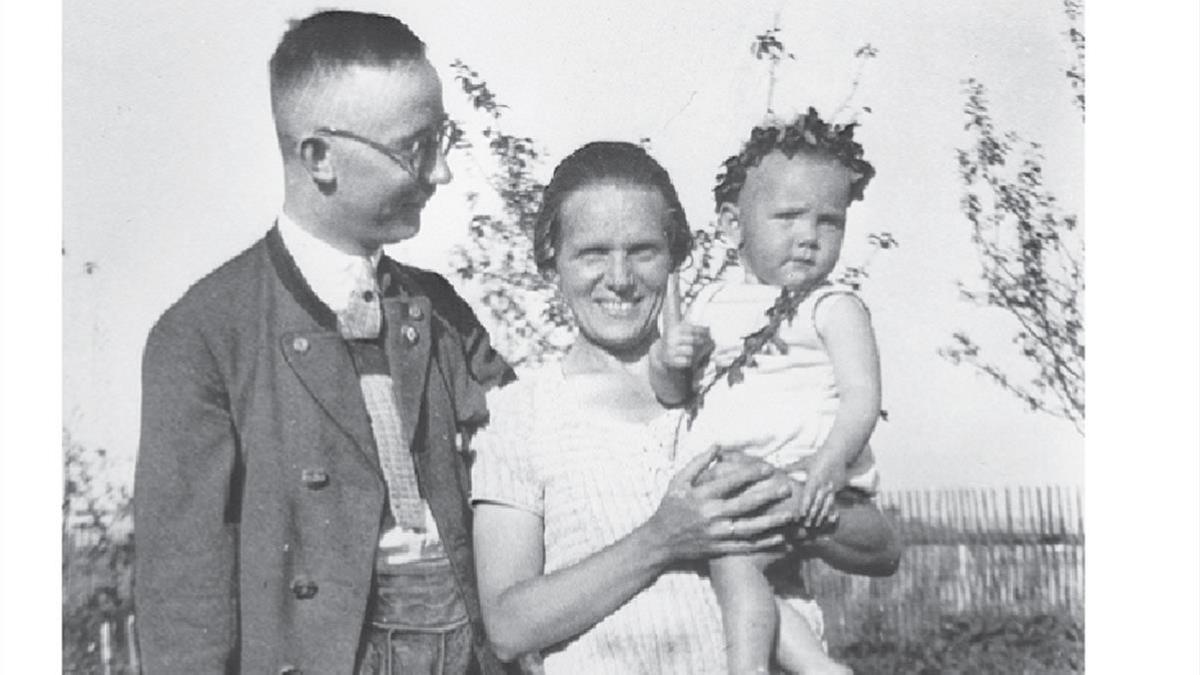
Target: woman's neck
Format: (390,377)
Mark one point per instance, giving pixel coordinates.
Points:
(586,356)
(613,385)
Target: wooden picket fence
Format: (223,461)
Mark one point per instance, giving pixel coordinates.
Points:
(1008,551)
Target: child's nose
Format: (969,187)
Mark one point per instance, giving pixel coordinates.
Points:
(804,234)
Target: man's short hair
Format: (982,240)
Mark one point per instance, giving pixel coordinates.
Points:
(807,134)
(330,41)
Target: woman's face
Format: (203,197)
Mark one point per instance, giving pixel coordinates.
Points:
(613,263)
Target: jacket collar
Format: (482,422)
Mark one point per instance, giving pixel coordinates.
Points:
(324,363)
(293,280)
(332,274)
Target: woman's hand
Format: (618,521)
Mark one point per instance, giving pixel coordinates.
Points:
(856,538)
(682,344)
(734,509)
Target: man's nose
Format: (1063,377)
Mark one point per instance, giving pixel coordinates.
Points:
(440,173)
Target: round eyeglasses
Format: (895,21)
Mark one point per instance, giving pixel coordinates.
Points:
(418,155)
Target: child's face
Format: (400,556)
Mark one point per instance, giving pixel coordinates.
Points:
(791,217)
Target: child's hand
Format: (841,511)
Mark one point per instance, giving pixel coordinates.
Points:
(682,345)
(826,475)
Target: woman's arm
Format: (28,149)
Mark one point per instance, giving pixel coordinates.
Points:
(525,610)
(862,541)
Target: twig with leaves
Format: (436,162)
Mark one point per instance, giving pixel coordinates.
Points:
(861,56)
(768,47)
(783,309)
(1031,257)
(499,253)
(1075,71)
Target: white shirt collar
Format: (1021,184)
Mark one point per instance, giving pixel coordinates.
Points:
(332,274)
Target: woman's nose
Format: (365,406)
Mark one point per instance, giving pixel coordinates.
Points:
(618,274)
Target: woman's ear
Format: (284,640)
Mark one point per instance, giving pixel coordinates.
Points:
(315,156)
(727,223)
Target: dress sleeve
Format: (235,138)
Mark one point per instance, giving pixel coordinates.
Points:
(504,470)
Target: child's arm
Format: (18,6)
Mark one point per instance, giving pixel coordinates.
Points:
(676,352)
(844,326)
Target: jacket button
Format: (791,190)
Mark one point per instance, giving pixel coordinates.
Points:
(314,479)
(300,344)
(411,335)
(414,312)
(304,588)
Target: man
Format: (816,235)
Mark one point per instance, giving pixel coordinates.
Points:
(300,492)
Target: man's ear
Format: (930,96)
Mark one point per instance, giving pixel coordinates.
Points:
(727,223)
(315,156)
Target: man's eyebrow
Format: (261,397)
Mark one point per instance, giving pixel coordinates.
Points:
(423,131)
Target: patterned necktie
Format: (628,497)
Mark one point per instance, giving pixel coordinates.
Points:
(362,319)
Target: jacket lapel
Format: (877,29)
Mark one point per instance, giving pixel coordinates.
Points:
(324,365)
(315,352)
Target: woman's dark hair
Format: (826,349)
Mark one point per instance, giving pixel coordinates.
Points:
(606,163)
(808,133)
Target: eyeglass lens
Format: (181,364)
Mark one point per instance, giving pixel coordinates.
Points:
(434,146)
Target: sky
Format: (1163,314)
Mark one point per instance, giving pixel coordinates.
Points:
(169,168)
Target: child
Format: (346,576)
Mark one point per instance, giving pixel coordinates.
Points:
(808,401)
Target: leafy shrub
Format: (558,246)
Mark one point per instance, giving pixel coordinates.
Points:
(97,557)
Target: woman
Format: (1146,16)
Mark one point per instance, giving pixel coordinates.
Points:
(586,546)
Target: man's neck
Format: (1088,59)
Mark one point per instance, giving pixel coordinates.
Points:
(324,228)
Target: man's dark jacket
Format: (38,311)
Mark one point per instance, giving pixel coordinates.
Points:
(259,498)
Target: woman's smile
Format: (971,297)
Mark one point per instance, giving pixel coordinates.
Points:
(613,264)
(618,309)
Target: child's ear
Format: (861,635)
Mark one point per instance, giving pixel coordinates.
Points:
(727,223)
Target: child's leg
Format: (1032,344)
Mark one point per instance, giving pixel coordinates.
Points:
(748,612)
(799,650)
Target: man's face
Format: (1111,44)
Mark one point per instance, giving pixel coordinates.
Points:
(791,218)
(375,199)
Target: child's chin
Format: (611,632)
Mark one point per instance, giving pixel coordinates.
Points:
(794,280)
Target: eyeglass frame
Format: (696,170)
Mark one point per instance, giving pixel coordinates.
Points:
(447,135)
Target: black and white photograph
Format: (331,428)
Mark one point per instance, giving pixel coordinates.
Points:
(403,337)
